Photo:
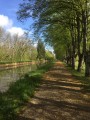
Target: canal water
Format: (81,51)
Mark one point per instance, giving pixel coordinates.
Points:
(11,75)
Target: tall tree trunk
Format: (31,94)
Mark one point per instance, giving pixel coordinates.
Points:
(69,56)
(84,22)
(80,58)
(87,70)
(73,47)
(80,55)
(66,58)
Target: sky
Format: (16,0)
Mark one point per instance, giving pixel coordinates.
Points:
(8,17)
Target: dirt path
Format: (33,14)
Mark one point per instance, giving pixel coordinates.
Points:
(60,97)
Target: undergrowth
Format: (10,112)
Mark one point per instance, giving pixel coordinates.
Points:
(20,92)
(81,77)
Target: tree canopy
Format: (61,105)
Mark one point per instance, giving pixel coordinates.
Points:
(64,24)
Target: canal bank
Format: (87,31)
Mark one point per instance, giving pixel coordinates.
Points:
(15,65)
(20,92)
(13,74)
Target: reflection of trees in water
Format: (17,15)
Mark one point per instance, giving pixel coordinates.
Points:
(39,63)
(12,75)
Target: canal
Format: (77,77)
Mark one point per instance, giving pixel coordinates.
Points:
(13,74)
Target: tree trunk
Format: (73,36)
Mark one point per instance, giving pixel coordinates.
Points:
(73,47)
(80,62)
(84,22)
(66,58)
(87,68)
(70,56)
(73,62)
(80,55)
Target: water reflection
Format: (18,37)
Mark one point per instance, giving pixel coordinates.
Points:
(12,75)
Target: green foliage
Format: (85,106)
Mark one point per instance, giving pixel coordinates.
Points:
(16,48)
(63,24)
(59,37)
(40,50)
(20,92)
(79,76)
(49,55)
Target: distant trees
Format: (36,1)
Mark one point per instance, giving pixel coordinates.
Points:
(49,55)
(40,50)
(16,48)
(64,24)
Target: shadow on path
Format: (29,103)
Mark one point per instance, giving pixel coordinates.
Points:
(60,97)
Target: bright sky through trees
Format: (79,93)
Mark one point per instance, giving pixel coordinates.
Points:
(8,17)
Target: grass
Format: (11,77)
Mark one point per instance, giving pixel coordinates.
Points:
(81,77)
(20,92)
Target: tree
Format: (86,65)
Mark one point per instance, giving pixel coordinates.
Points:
(14,48)
(49,55)
(40,50)
(70,14)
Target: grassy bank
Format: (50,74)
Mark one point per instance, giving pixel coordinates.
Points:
(20,92)
(81,77)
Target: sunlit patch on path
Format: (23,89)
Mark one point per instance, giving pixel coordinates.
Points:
(60,97)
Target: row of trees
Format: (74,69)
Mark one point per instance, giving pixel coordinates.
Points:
(64,25)
(20,48)
(43,54)
(16,48)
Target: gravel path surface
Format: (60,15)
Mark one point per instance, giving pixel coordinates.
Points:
(60,97)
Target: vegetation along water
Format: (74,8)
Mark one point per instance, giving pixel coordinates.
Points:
(20,92)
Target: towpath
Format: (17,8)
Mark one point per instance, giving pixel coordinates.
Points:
(60,97)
